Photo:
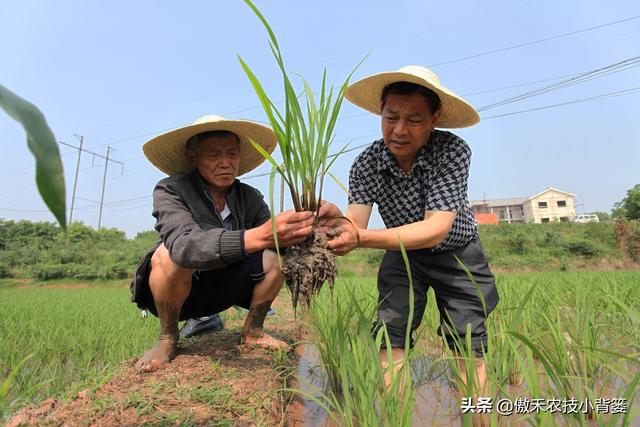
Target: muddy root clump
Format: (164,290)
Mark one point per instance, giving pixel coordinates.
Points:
(307,266)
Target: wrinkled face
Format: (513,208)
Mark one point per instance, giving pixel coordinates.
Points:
(218,160)
(407,123)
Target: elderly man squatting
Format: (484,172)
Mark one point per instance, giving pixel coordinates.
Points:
(215,233)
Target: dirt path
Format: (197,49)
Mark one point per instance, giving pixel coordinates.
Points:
(212,381)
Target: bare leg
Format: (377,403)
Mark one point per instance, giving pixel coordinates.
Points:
(397,355)
(480,388)
(480,375)
(263,295)
(170,285)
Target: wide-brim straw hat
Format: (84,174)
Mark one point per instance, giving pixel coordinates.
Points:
(167,152)
(455,111)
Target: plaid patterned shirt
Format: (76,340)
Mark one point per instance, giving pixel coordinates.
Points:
(437,182)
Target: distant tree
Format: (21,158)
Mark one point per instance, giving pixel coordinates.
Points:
(629,207)
(602,216)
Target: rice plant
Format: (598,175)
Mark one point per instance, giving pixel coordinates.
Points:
(305,134)
(361,390)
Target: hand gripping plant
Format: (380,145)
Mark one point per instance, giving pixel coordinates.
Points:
(304,136)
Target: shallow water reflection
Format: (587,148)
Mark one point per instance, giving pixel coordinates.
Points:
(435,404)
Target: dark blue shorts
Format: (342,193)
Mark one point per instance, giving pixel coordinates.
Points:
(456,297)
(212,291)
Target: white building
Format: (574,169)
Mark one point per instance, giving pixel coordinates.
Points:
(550,205)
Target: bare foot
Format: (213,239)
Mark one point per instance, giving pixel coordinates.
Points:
(266,341)
(163,352)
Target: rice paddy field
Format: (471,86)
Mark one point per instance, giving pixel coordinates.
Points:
(564,350)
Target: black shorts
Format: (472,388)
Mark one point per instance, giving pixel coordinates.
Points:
(212,291)
(456,296)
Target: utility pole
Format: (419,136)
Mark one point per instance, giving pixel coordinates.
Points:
(104,180)
(106,164)
(75,180)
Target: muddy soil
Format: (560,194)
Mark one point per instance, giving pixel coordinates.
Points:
(307,267)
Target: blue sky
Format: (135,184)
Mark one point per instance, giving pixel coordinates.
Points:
(119,73)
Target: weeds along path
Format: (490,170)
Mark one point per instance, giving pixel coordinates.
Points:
(213,380)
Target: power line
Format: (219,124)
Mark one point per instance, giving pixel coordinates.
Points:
(574,79)
(92,153)
(517,46)
(576,101)
(37,210)
(75,180)
(120,141)
(580,78)
(366,113)
(593,98)
(482,92)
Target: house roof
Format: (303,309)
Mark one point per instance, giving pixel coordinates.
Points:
(551,189)
(514,201)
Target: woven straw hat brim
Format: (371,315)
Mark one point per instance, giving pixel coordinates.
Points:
(455,111)
(167,151)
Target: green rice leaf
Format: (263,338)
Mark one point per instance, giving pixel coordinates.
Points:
(6,384)
(42,144)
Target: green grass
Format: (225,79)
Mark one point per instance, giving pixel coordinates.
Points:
(76,337)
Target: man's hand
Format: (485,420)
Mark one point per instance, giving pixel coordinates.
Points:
(328,211)
(343,235)
(292,228)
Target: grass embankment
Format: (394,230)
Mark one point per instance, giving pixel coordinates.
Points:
(534,247)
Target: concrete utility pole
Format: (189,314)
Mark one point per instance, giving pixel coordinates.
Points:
(106,164)
(104,180)
(75,180)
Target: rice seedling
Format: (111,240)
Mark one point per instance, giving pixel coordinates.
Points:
(572,357)
(8,382)
(350,358)
(75,338)
(512,316)
(304,133)
(361,390)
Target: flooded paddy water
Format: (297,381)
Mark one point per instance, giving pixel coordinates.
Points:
(435,404)
(436,400)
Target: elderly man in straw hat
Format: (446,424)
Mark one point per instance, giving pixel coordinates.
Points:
(215,233)
(417,176)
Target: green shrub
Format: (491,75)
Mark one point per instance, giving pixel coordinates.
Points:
(4,271)
(519,243)
(82,271)
(552,240)
(583,248)
(47,271)
(119,270)
(69,255)
(601,233)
